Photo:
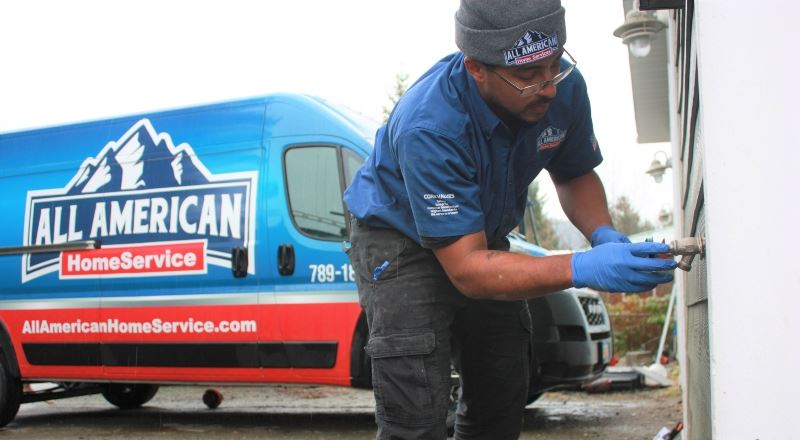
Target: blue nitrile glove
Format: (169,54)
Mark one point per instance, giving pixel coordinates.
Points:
(622,267)
(607,234)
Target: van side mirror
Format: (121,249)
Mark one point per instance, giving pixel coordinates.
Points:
(239,262)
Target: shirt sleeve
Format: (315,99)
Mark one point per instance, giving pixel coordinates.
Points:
(440,179)
(580,152)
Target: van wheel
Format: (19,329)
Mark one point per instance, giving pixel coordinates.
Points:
(128,395)
(10,395)
(360,362)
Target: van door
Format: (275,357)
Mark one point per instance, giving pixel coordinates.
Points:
(316,298)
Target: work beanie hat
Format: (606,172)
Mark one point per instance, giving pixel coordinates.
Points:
(510,32)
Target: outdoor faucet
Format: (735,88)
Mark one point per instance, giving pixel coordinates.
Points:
(687,248)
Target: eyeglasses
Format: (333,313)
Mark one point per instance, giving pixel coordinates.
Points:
(536,87)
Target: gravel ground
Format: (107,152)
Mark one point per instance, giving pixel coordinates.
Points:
(324,412)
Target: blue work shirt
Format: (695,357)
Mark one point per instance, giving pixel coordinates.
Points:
(444,165)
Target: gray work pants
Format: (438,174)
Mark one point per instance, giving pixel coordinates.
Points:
(418,324)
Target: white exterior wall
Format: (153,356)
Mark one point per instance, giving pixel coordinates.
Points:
(750,95)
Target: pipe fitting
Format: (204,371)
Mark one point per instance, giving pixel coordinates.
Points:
(687,248)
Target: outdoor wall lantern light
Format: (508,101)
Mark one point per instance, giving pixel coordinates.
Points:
(638,30)
(658,168)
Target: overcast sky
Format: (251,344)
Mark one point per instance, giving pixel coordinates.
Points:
(63,62)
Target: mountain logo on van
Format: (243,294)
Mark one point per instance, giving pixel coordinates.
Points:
(154,206)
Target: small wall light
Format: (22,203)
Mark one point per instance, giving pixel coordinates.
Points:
(658,168)
(638,30)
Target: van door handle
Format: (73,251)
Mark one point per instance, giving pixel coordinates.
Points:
(286,259)
(239,262)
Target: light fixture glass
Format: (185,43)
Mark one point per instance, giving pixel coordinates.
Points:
(638,30)
(639,46)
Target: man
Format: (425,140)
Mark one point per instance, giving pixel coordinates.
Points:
(432,205)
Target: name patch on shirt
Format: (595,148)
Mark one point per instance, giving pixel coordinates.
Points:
(551,137)
(442,204)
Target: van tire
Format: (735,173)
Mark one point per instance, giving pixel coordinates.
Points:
(129,395)
(360,362)
(10,395)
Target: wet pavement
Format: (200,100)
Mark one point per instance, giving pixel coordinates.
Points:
(324,412)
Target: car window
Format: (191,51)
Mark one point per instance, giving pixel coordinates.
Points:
(314,191)
(352,162)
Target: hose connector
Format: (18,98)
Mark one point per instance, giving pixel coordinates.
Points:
(687,248)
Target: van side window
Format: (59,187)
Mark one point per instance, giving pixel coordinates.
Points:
(352,162)
(314,189)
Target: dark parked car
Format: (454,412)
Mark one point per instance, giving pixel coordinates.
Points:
(571,333)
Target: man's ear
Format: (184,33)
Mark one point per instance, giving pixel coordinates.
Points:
(476,69)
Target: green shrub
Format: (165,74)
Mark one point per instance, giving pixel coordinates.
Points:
(636,322)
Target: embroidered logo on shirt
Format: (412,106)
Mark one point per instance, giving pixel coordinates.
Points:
(551,137)
(441,205)
(530,47)
(593,140)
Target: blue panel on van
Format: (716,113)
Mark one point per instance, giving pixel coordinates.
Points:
(169,195)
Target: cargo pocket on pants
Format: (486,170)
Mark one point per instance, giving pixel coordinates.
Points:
(400,377)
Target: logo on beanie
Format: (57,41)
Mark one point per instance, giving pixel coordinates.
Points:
(551,137)
(530,47)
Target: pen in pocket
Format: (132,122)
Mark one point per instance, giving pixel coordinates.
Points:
(379,270)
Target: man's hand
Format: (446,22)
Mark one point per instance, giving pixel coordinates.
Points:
(622,267)
(607,234)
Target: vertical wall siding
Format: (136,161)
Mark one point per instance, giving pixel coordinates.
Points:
(689,151)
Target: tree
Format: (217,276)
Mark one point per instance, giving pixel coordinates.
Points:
(400,87)
(626,219)
(538,227)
